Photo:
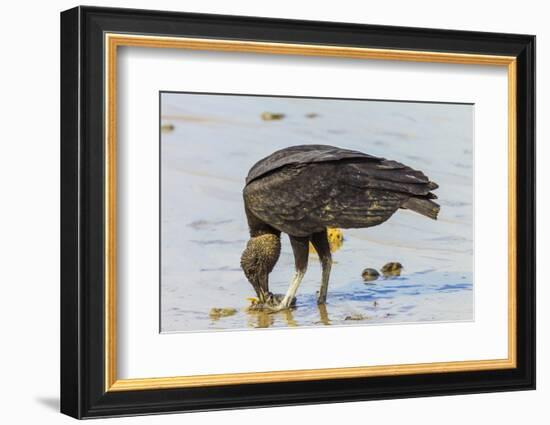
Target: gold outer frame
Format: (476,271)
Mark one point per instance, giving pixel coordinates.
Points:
(113,41)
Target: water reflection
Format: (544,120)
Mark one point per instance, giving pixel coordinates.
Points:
(266,319)
(259,318)
(323,314)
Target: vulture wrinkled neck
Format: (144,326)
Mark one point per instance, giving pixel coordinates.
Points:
(259,258)
(265,246)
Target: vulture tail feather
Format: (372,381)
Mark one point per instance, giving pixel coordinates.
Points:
(422,206)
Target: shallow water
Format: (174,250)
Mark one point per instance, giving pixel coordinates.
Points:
(205,159)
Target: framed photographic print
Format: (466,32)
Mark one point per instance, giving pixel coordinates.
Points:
(261,212)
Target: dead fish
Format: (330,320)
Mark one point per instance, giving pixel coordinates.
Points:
(272,116)
(392,269)
(255,304)
(312,115)
(370,274)
(273,301)
(218,313)
(166,128)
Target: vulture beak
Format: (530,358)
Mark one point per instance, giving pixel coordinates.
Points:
(262,287)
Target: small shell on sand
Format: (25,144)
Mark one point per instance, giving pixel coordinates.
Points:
(218,313)
(166,128)
(272,116)
(370,274)
(392,269)
(356,316)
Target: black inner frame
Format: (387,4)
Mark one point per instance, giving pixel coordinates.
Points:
(82,206)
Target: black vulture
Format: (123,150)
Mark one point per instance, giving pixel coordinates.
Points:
(302,190)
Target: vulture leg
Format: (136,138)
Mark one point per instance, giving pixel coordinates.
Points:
(322,246)
(300,247)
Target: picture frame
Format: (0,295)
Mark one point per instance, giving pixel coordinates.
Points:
(91,38)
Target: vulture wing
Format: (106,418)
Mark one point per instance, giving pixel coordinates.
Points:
(302,154)
(301,198)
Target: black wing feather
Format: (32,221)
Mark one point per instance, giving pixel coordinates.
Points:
(305,197)
(302,154)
